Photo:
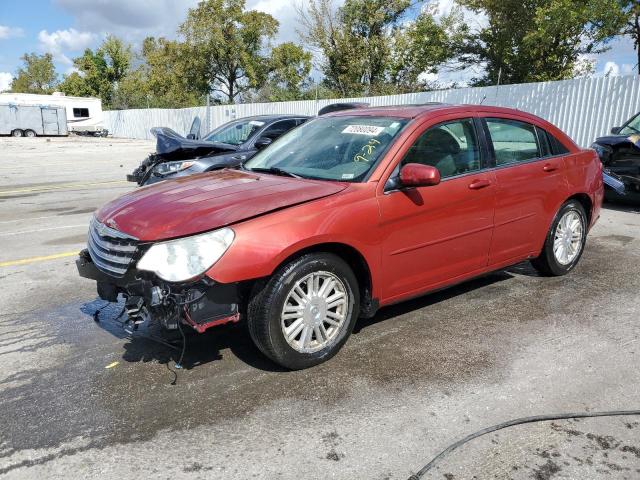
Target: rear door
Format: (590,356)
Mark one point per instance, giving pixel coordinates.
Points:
(434,235)
(50,121)
(531,185)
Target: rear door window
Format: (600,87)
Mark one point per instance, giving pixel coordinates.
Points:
(279,128)
(513,141)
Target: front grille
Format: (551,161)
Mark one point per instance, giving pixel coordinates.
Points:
(111,251)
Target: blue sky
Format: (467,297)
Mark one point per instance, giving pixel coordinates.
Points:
(66,27)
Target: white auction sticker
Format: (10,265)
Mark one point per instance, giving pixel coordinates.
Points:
(370,130)
(256,123)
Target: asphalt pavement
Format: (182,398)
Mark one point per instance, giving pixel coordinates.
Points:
(87,399)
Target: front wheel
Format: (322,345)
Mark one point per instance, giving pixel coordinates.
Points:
(16,133)
(29,133)
(565,241)
(305,312)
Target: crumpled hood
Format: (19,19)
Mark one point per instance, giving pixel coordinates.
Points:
(207,201)
(614,140)
(173,146)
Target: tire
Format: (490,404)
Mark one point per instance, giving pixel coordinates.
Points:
(16,133)
(570,243)
(322,334)
(29,133)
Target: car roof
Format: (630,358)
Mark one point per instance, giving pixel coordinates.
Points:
(271,118)
(418,110)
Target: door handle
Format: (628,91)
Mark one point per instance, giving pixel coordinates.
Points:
(549,168)
(478,184)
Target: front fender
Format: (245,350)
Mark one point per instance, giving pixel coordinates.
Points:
(262,244)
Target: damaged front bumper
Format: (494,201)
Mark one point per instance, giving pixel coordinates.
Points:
(201,304)
(621,187)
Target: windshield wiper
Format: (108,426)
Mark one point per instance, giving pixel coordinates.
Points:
(275,171)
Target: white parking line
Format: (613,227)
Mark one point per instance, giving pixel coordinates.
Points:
(24,232)
(40,218)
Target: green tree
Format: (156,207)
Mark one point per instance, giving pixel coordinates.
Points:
(289,68)
(170,74)
(424,46)
(374,47)
(100,72)
(369,24)
(230,42)
(324,31)
(631,28)
(38,75)
(538,40)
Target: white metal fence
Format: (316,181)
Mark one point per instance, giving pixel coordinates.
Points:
(583,108)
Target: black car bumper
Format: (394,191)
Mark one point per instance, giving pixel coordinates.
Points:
(622,188)
(200,304)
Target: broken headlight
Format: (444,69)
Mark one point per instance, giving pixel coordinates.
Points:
(171,167)
(186,258)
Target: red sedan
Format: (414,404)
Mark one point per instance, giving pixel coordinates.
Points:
(345,214)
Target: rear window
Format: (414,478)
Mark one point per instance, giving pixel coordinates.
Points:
(513,141)
(557,148)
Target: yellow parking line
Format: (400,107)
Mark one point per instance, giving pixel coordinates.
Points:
(67,186)
(25,261)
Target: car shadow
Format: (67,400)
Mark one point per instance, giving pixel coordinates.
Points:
(149,343)
(426,300)
(622,207)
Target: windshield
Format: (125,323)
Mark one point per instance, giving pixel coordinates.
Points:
(633,126)
(235,133)
(331,148)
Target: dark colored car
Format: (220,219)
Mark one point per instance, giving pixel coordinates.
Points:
(620,156)
(226,146)
(342,215)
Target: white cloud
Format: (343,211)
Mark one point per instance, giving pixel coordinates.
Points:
(130,20)
(61,41)
(10,32)
(611,69)
(5,81)
(135,20)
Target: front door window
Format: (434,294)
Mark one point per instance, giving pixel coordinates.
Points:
(451,147)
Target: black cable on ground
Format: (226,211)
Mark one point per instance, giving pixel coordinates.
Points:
(511,423)
(184,346)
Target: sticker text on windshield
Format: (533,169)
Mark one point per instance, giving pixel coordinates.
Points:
(370,130)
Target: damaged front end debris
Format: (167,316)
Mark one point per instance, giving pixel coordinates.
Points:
(200,304)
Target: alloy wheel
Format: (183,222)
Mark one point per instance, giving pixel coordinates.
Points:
(314,312)
(567,241)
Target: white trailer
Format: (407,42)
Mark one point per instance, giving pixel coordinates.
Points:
(84,114)
(31,120)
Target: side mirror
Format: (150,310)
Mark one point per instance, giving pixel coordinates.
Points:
(191,136)
(263,142)
(616,130)
(418,175)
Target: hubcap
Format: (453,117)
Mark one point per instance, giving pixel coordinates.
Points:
(314,312)
(567,241)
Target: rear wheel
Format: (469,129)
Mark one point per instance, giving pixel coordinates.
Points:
(565,241)
(16,133)
(29,133)
(305,312)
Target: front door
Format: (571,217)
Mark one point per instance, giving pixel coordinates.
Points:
(437,234)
